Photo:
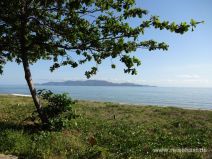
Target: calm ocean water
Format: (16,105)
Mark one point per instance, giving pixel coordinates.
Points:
(198,98)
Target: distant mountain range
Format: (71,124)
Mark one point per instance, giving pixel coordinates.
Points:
(92,83)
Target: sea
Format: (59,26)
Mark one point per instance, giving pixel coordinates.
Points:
(192,98)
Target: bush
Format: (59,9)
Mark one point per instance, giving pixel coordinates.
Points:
(58,109)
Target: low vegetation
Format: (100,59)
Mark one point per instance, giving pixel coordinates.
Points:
(105,130)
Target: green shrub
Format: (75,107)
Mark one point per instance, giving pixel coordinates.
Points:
(58,109)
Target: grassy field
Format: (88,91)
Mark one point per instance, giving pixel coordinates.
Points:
(106,130)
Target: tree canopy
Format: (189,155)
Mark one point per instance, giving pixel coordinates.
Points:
(92,29)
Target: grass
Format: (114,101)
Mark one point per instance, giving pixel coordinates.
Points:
(106,130)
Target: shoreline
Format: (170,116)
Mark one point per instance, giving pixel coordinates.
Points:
(21,95)
(146,105)
(15,94)
(121,103)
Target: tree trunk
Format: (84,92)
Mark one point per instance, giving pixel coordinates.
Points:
(33,92)
(25,61)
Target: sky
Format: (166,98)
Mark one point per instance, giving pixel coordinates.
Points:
(187,63)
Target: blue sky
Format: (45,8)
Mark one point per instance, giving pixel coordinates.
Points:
(187,63)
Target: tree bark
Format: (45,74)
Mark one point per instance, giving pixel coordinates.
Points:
(33,92)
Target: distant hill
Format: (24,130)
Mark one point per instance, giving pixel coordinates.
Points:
(92,83)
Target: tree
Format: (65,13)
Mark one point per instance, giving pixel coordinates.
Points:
(31,30)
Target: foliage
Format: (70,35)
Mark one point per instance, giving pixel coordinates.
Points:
(92,30)
(134,133)
(58,109)
(57,103)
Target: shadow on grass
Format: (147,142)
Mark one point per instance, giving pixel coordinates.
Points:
(28,127)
